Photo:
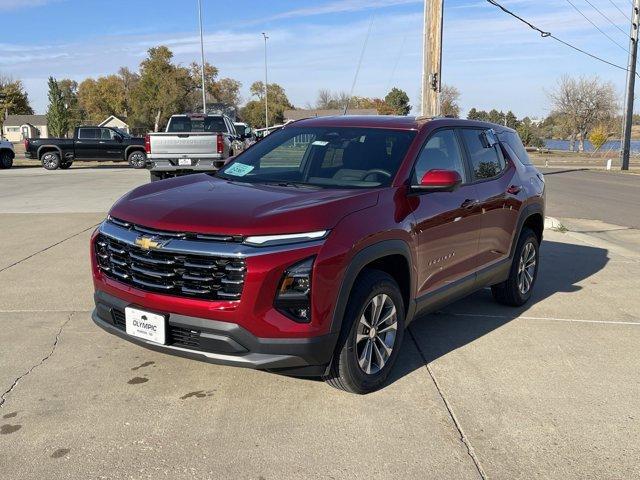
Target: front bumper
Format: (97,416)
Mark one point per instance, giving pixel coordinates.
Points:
(222,343)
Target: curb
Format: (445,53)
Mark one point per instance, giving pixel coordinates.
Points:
(551,223)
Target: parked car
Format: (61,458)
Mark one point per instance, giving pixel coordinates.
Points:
(7,153)
(88,143)
(192,143)
(311,252)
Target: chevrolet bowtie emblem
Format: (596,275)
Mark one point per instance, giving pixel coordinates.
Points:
(148,243)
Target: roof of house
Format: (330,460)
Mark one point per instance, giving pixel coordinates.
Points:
(303,113)
(116,117)
(18,120)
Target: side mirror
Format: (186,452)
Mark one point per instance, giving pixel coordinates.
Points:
(438,181)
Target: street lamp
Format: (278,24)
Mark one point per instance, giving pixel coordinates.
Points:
(204,91)
(266,84)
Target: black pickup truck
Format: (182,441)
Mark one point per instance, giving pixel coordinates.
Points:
(89,144)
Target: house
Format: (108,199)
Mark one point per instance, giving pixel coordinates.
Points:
(290,115)
(116,122)
(16,128)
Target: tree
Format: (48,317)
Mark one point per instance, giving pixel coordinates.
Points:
(129,81)
(583,103)
(529,133)
(57,114)
(479,115)
(398,101)
(496,117)
(449,98)
(102,97)
(13,99)
(511,120)
(69,90)
(599,136)
(253,111)
(162,90)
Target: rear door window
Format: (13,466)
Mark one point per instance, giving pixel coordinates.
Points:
(89,133)
(486,157)
(196,124)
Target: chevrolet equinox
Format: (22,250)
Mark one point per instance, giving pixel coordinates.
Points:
(311,252)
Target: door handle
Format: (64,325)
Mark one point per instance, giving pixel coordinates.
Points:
(470,203)
(514,189)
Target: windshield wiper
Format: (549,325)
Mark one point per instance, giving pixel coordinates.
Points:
(285,183)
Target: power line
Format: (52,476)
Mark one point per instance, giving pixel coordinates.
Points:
(355,78)
(596,26)
(620,10)
(545,34)
(626,34)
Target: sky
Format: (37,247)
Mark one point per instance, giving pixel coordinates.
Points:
(494,60)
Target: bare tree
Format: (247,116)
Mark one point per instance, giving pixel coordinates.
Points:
(582,103)
(449,98)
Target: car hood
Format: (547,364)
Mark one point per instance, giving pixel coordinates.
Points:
(205,204)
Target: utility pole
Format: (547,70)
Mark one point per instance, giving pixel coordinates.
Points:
(204,89)
(631,84)
(266,86)
(432,58)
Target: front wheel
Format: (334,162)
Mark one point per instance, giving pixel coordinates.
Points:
(137,159)
(50,160)
(6,160)
(517,289)
(373,329)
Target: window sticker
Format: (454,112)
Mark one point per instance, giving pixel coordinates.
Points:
(239,169)
(320,143)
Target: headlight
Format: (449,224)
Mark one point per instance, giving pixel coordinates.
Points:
(294,292)
(267,240)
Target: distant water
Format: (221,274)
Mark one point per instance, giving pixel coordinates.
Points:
(613,145)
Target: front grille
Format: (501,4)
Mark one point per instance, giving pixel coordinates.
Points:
(199,276)
(178,336)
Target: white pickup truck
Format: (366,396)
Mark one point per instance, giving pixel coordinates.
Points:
(6,153)
(192,143)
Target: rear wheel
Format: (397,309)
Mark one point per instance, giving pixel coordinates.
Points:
(373,329)
(6,160)
(518,288)
(137,159)
(50,160)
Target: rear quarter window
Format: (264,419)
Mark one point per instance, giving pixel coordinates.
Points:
(513,140)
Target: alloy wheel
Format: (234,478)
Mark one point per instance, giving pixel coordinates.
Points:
(526,268)
(49,160)
(376,334)
(137,160)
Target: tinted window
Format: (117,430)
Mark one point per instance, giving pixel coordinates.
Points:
(441,152)
(108,134)
(513,140)
(89,133)
(324,156)
(486,158)
(197,124)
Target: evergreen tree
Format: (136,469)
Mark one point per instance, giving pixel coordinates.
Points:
(57,114)
(398,101)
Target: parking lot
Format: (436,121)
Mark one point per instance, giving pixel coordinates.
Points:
(480,390)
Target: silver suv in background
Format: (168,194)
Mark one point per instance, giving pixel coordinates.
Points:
(191,143)
(7,153)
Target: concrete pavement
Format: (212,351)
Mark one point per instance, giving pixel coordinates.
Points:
(480,391)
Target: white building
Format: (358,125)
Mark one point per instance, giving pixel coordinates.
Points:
(16,128)
(115,122)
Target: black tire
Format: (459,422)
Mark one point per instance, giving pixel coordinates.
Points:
(522,273)
(137,159)
(155,176)
(50,160)
(6,160)
(66,165)
(346,372)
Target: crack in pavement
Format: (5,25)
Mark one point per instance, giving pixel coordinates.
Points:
(454,419)
(3,398)
(47,248)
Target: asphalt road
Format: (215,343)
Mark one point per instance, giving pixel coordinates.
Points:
(610,197)
(481,391)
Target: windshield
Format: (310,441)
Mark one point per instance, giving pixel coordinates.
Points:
(196,124)
(327,157)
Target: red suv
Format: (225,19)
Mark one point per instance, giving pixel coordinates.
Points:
(311,252)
